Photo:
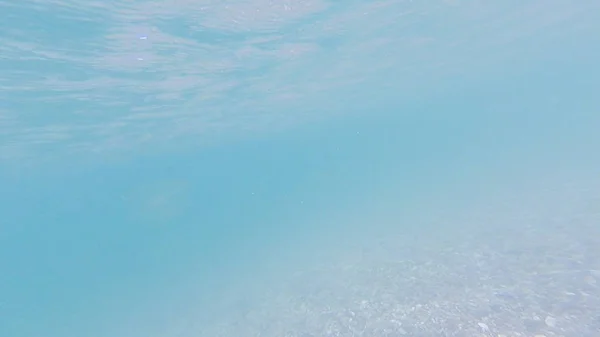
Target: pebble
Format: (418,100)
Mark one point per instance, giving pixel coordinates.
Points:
(550,321)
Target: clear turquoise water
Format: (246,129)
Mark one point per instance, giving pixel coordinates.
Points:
(155,154)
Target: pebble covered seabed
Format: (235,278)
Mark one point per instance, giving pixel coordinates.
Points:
(520,266)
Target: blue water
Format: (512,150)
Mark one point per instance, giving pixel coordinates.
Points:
(155,154)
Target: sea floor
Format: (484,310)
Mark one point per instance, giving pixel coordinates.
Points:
(526,265)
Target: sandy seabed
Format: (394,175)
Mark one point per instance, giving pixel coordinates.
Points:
(527,267)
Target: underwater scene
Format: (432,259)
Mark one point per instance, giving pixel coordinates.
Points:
(299,168)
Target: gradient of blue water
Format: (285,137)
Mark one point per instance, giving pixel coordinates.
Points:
(99,243)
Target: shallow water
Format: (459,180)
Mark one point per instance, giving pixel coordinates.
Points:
(302,168)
